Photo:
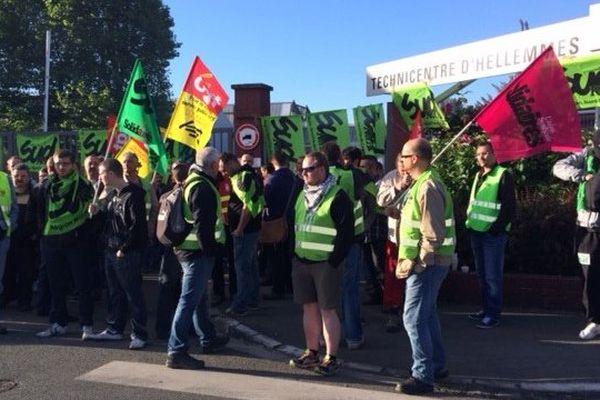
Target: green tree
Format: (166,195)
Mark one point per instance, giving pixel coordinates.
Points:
(94,46)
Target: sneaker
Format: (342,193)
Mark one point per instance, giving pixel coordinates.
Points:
(355,345)
(590,331)
(328,367)
(217,343)
(441,374)
(393,324)
(183,361)
(86,332)
(478,316)
(488,323)
(235,312)
(414,386)
(136,343)
(107,334)
(309,359)
(53,330)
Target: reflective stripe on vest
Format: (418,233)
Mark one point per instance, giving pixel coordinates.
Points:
(315,230)
(191,241)
(590,168)
(410,221)
(252,199)
(345,179)
(5,200)
(484,206)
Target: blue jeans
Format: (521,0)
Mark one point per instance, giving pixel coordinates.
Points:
(246,269)
(124,281)
(4,244)
(488,252)
(193,305)
(351,294)
(422,324)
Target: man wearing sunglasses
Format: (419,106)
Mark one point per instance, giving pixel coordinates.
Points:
(324,226)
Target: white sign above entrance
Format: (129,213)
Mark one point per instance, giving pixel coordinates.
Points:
(496,56)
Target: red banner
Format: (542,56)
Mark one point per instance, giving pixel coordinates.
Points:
(534,113)
(203,85)
(416,130)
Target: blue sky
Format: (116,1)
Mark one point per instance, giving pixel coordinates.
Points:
(315,52)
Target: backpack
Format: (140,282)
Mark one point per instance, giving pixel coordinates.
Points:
(171,226)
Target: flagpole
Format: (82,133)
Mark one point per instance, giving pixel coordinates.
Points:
(454,139)
(108,147)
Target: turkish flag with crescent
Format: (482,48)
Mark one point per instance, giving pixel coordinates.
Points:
(534,113)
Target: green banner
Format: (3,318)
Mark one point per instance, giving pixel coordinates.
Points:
(138,119)
(91,142)
(35,149)
(370,129)
(327,126)
(285,135)
(583,74)
(419,97)
(179,151)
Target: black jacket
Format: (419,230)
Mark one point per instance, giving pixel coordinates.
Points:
(203,205)
(125,227)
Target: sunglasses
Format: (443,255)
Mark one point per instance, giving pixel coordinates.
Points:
(310,169)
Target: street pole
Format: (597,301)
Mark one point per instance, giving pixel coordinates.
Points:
(47,82)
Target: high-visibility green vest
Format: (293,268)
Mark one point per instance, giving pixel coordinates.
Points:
(410,220)
(484,206)
(315,230)
(345,179)
(252,198)
(191,242)
(590,168)
(5,200)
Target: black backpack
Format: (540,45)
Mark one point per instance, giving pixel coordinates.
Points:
(171,226)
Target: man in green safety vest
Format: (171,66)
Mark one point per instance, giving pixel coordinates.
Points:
(8,221)
(324,226)
(427,242)
(491,209)
(353,182)
(581,168)
(202,209)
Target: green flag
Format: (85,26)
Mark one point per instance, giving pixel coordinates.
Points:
(35,149)
(327,126)
(137,119)
(419,97)
(370,129)
(583,74)
(91,142)
(285,135)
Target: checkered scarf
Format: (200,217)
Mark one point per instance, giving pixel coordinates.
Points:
(313,195)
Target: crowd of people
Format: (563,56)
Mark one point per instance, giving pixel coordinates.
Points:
(346,222)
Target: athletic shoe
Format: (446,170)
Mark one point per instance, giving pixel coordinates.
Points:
(488,323)
(355,345)
(309,359)
(414,386)
(86,332)
(441,374)
(393,324)
(590,331)
(107,334)
(478,316)
(136,343)
(217,343)
(53,330)
(328,367)
(183,361)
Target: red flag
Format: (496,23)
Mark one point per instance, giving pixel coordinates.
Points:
(535,112)
(120,138)
(416,130)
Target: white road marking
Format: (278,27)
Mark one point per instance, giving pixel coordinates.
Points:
(228,385)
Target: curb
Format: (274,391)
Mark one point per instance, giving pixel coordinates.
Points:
(236,328)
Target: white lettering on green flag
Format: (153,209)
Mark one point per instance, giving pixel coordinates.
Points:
(91,142)
(370,129)
(138,119)
(327,126)
(416,98)
(284,135)
(35,149)
(583,75)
